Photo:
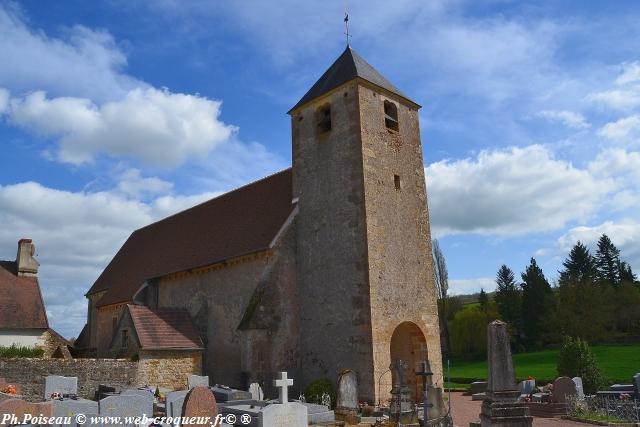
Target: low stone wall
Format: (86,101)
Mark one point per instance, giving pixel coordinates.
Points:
(30,374)
(169,369)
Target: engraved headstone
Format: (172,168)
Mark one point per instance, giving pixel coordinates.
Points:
(502,392)
(200,403)
(20,408)
(290,414)
(198,381)
(563,387)
(579,388)
(347,390)
(74,407)
(256,391)
(60,385)
(174,402)
(125,406)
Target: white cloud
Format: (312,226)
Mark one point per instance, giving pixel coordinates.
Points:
(568,118)
(86,63)
(624,234)
(471,286)
(618,98)
(511,192)
(133,184)
(4,100)
(626,129)
(76,234)
(155,126)
(630,73)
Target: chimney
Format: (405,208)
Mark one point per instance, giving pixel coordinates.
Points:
(25,262)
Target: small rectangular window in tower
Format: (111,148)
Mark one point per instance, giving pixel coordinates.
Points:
(125,338)
(323,118)
(391,116)
(396,181)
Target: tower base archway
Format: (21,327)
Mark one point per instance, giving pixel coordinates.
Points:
(409,344)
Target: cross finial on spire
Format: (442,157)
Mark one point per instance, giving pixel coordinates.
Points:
(283,383)
(346,25)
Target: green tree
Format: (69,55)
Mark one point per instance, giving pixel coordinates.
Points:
(584,308)
(607,262)
(577,360)
(508,299)
(537,303)
(626,302)
(626,274)
(440,270)
(483,298)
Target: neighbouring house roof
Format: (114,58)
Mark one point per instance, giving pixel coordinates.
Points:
(347,67)
(164,328)
(21,305)
(237,223)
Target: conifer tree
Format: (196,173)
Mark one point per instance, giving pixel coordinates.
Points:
(537,302)
(607,262)
(483,298)
(508,298)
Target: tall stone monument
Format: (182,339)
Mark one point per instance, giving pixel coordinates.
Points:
(501,406)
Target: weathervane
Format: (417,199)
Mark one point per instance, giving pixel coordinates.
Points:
(346,25)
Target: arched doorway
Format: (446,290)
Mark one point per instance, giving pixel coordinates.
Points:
(409,345)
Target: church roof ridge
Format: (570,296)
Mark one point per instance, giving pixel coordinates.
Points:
(349,65)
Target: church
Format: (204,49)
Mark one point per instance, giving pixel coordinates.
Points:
(321,267)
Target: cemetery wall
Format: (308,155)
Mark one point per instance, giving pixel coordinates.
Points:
(31,373)
(168,369)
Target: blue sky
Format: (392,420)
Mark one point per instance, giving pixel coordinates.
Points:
(114,114)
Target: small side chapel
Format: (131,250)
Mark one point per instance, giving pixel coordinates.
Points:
(321,267)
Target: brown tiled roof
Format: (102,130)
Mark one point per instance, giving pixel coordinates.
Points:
(240,222)
(21,305)
(164,328)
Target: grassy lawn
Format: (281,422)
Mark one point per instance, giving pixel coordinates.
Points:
(618,363)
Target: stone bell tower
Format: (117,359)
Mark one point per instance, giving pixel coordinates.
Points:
(364,265)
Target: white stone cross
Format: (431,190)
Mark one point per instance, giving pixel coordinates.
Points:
(284,383)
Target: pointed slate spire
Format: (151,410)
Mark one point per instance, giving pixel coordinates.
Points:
(347,67)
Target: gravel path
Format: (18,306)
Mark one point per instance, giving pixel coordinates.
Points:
(465,410)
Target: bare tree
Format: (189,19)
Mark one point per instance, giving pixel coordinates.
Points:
(440,270)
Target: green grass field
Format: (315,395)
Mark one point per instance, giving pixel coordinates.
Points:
(618,363)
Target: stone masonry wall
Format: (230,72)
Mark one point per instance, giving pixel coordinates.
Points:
(168,369)
(398,236)
(30,374)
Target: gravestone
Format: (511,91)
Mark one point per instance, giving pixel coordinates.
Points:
(501,406)
(125,406)
(284,413)
(19,408)
(60,385)
(256,391)
(174,402)
(563,387)
(579,388)
(527,387)
(197,381)
(223,393)
(201,403)
(74,407)
(636,385)
(347,397)
(318,414)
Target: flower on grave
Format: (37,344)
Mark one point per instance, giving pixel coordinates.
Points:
(10,389)
(531,377)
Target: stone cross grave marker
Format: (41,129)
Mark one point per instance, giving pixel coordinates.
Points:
(126,406)
(563,387)
(347,395)
(256,391)
(198,381)
(201,403)
(579,388)
(60,385)
(174,402)
(74,407)
(283,383)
